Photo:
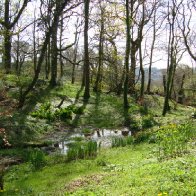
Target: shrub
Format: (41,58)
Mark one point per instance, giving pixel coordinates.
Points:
(147,121)
(77,138)
(44,112)
(122,141)
(63,114)
(143,110)
(75,109)
(135,124)
(47,112)
(145,136)
(79,110)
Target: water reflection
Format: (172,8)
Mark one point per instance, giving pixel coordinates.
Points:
(101,136)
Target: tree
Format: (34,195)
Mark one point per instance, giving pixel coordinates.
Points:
(140,17)
(8,23)
(140,51)
(54,51)
(188,33)
(57,13)
(20,51)
(112,58)
(157,22)
(172,53)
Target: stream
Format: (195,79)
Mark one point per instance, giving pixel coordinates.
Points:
(103,137)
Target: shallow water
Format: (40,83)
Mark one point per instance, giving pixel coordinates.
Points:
(103,137)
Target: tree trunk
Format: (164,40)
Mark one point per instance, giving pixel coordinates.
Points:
(86,52)
(142,74)
(7,51)
(7,38)
(97,87)
(148,90)
(140,54)
(17,56)
(54,53)
(164,84)
(134,48)
(75,54)
(171,63)
(181,91)
(128,42)
(48,59)
(61,37)
(7,26)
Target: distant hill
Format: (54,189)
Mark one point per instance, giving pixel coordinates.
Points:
(156,73)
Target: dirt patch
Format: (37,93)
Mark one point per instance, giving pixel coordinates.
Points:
(86,180)
(8,161)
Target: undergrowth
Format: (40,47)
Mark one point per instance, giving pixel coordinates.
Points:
(173,139)
(82,150)
(46,111)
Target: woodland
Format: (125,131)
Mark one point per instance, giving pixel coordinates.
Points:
(97,97)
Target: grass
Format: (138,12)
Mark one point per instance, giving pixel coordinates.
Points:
(131,170)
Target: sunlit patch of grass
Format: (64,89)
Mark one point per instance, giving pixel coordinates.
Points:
(127,170)
(137,172)
(51,179)
(68,90)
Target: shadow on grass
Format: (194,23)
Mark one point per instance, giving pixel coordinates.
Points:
(77,117)
(94,112)
(104,113)
(85,102)
(78,95)
(32,101)
(17,124)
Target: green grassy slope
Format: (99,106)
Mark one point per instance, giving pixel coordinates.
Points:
(131,170)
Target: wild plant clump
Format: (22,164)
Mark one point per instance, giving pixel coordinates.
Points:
(122,141)
(82,150)
(46,111)
(173,139)
(36,157)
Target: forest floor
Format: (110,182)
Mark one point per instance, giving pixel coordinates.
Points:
(136,169)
